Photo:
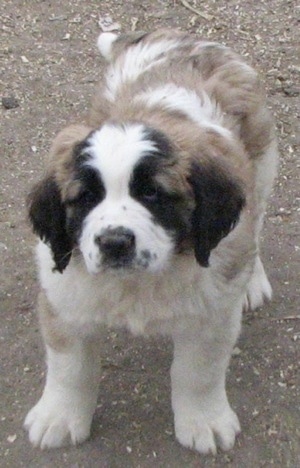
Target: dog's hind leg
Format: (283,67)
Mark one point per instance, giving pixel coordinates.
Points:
(258,288)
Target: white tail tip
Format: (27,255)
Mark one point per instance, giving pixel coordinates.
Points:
(104,43)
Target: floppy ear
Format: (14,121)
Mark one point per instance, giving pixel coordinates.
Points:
(46,209)
(48,217)
(219,200)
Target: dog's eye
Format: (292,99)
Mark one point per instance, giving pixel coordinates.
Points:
(88,197)
(149,193)
(85,197)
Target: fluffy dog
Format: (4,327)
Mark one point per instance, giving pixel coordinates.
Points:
(149,218)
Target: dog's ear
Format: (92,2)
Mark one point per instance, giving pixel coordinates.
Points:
(219,199)
(46,209)
(48,217)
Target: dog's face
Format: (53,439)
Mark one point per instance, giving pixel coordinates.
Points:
(121,215)
(124,198)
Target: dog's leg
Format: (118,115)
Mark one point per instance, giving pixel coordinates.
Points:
(258,288)
(65,410)
(203,416)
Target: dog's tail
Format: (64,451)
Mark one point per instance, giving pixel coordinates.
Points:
(105,42)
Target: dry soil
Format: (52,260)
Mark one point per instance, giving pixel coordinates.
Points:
(50,66)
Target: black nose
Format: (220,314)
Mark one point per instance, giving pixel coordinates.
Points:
(117,245)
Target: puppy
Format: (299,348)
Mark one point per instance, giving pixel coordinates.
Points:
(149,218)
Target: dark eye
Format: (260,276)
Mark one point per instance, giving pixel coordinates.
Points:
(85,197)
(149,193)
(88,197)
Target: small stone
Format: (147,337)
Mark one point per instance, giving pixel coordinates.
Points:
(282,384)
(236,351)
(107,24)
(291,91)
(10,102)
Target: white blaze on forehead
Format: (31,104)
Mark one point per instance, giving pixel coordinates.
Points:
(114,152)
(138,59)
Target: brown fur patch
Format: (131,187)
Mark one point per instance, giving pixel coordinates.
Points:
(60,158)
(53,329)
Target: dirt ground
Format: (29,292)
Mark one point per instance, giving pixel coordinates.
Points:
(50,66)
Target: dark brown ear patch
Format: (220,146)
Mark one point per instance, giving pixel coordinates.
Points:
(219,200)
(48,218)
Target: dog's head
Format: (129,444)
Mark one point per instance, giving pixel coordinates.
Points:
(123,197)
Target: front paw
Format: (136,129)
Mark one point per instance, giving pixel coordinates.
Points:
(53,422)
(203,432)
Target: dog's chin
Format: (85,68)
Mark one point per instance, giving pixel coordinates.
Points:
(117,268)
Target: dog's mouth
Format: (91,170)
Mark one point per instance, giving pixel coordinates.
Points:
(125,265)
(129,264)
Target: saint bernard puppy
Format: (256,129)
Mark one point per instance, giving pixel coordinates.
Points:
(149,216)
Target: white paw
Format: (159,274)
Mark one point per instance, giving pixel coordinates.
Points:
(258,288)
(204,432)
(54,423)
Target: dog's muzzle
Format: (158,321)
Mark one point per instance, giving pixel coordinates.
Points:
(117,246)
